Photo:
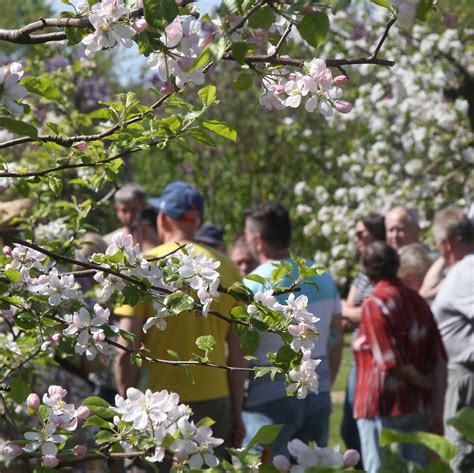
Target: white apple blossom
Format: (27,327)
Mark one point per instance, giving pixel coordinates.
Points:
(10,90)
(22,256)
(55,230)
(310,456)
(90,334)
(304,379)
(58,287)
(44,439)
(105,16)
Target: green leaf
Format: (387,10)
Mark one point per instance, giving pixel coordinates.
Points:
(20,390)
(314,28)
(265,436)
(96,421)
(98,406)
(104,436)
(463,422)
(206,342)
(203,138)
(173,354)
(18,127)
(208,95)
(438,444)
(263,18)
(132,295)
(56,185)
(202,59)
(239,50)
(256,278)
(217,49)
(205,422)
(13,274)
(75,35)
(159,13)
(268,468)
(382,3)
(424,9)
(341,5)
(243,82)
(43,86)
(179,302)
(249,341)
(127,335)
(136,359)
(221,128)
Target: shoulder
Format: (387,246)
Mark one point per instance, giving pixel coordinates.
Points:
(264,270)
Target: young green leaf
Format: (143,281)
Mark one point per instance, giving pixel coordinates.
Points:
(314,28)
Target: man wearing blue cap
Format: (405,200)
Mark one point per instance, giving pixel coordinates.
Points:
(212,392)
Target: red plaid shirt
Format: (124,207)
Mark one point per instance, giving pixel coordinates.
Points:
(397,328)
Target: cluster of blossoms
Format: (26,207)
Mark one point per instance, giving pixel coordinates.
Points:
(300,324)
(10,90)
(112,25)
(55,230)
(310,456)
(184,40)
(154,415)
(317,89)
(62,418)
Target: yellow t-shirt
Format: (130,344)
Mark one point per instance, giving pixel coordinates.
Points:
(180,336)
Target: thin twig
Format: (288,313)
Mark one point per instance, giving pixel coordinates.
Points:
(383,38)
(282,39)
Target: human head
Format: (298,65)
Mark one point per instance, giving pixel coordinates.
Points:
(380,261)
(369,229)
(129,200)
(454,234)
(415,260)
(211,235)
(267,230)
(242,256)
(402,227)
(145,232)
(181,209)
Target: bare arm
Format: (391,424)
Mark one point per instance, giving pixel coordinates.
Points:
(236,381)
(412,376)
(126,374)
(349,310)
(336,344)
(440,373)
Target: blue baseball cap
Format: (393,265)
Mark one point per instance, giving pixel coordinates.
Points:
(178,198)
(210,234)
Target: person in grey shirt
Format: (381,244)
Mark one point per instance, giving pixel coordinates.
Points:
(453,309)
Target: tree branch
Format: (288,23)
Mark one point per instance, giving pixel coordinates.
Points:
(383,38)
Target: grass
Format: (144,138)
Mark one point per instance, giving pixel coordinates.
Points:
(340,387)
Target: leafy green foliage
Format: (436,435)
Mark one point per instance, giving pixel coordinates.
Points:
(265,436)
(98,406)
(17,126)
(463,422)
(314,28)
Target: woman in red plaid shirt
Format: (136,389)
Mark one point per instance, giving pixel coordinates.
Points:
(401,361)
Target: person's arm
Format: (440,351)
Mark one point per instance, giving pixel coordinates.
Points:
(412,376)
(126,373)
(440,374)
(336,345)
(236,381)
(349,310)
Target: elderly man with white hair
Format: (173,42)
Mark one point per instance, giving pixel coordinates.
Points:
(402,227)
(453,309)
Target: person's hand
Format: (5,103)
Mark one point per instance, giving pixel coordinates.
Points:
(435,423)
(238,431)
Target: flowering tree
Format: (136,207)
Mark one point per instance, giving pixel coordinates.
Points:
(63,151)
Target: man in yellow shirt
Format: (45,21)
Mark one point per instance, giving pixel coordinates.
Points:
(212,392)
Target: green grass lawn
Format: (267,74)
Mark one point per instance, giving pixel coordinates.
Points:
(340,386)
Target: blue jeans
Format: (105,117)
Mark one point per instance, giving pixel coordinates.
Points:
(369,431)
(305,419)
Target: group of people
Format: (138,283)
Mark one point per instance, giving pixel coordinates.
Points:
(411,309)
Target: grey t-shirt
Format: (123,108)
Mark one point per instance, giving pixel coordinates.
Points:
(453,309)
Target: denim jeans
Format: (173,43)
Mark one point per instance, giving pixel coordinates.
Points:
(369,431)
(305,419)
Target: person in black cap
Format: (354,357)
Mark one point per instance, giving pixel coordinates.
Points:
(213,393)
(211,235)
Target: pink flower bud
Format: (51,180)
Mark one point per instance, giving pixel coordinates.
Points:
(83,412)
(55,339)
(50,461)
(280,89)
(351,458)
(342,106)
(80,450)
(341,80)
(16,68)
(81,145)
(281,463)
(103,359)
(140,25)
(33,402)
(308,9)
(450,20)
(99,336)
(7,251)
(7,314)
(57,391)
(12,450)
(167,88)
